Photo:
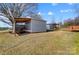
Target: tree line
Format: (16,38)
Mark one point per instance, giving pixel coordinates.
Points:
(71,22)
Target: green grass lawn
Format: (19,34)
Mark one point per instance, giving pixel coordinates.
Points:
(56,42)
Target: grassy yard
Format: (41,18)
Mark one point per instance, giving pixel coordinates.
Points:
(57,42)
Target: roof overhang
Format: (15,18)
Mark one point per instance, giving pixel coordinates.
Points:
(22,19)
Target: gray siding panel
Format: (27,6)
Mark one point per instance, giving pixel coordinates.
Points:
(38,26)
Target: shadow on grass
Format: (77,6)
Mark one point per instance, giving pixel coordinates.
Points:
(20,33)
(23,33)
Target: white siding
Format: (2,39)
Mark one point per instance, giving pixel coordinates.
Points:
(38,26)
(48,27)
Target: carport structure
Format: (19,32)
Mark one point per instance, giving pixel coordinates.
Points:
(22,25)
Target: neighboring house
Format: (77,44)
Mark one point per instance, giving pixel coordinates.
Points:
(30,25)
(73,28)
(53,26)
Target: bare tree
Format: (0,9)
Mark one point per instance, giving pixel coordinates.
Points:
(4,19)
(15,10)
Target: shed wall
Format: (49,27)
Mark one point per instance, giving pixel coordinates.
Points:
(38,26)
